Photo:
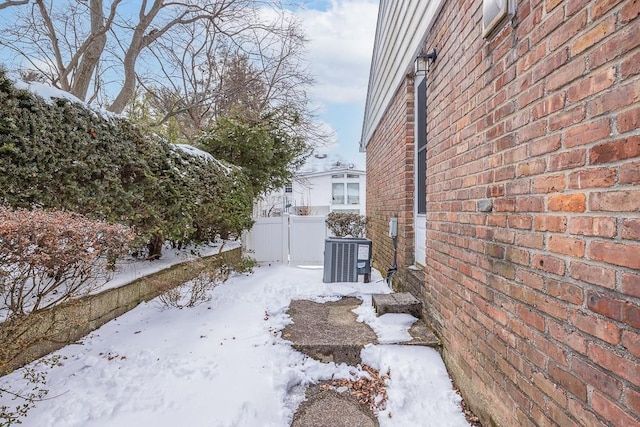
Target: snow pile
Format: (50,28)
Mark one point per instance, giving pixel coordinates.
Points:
(193,151)
(224,363)
(49,93)
(46,92)
(196,152)
(390,327)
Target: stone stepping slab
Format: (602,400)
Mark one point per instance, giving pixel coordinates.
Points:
(399,302)
(330,332)
(325,408)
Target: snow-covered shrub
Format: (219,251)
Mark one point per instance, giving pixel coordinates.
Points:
(196,291)
(50,257)
(347,224)
(60,154)
(219,196)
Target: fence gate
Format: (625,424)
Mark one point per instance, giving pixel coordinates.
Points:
(287,239)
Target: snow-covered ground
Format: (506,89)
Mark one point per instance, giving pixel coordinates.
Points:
(224,363)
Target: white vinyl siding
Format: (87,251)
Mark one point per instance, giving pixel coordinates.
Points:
(401,28)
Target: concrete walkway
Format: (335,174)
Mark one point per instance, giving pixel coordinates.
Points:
(330,332)
(327,408)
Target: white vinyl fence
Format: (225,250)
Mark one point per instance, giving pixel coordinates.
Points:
(291,239)
(268,240)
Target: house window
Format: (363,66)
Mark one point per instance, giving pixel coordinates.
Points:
(353,193)
(288,189)
(353,176)
(420,173)
(337,175)
(337,193)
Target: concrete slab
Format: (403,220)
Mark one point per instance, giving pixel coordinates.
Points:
(328,332)
(327,408)
(422,335)
(399,302)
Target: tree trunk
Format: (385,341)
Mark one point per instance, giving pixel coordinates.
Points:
(91,57)
(155,247)
(129,84)
(138,42)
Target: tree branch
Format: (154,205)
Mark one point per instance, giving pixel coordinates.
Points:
(55,45)
(8,3)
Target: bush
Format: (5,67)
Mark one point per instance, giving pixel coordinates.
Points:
(347,224)
(61,155)
(197,291)
(198,199)
(246,265)
(50,257)
(268,150)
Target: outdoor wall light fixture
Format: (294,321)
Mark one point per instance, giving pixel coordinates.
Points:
(424,60)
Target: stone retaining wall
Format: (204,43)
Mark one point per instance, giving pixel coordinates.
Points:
(37,335)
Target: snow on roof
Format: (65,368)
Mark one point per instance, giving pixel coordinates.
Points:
(331,172)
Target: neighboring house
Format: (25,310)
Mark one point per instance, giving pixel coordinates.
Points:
(513,167)
(342,188)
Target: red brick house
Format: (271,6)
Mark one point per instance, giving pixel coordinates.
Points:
(513,167)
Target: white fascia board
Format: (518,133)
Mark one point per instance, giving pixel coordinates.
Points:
(330,172)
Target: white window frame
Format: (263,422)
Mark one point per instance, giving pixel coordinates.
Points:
(357,195)
(334,186)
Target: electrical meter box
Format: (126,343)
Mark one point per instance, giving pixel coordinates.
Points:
(393,227)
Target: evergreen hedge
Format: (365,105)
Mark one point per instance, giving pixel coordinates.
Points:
(62,155)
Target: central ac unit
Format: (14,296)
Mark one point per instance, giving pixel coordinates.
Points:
(344,259)
(340,261)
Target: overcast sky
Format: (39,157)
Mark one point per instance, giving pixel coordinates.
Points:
(341,34)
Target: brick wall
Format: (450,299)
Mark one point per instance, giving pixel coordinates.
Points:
(390,183)
(537,300)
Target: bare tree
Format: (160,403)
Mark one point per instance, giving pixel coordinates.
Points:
(62,49)
(207,82)
(77,43)
(249,76)
(181,64)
